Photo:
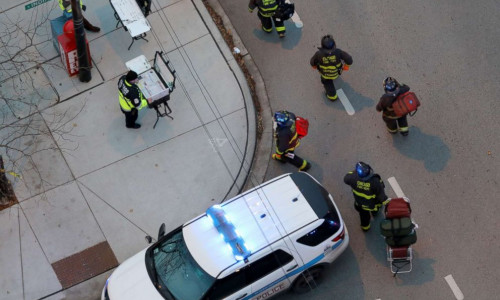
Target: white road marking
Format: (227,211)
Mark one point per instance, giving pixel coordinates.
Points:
(347,105)
(454,287)
(395,187)
(296,18)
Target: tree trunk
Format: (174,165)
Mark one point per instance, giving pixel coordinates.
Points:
(7,195)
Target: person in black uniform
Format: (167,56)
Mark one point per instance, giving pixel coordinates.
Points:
(131,99)
(368,190)
(267,8)
(287,140)
(145,6)
(392,90)
(330,61)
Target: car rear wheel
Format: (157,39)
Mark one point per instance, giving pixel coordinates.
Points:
(308,280)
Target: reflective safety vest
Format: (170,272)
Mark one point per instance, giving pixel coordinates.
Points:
(130,96)
(65,5)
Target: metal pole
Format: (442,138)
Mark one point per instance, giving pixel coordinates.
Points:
(81,47)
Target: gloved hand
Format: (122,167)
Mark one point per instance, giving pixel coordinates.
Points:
(345,68)
(276,156)
(250,10)
(315,67)
(84,7)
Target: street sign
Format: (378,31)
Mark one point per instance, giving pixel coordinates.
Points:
(34,4)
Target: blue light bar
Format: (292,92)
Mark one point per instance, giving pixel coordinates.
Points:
(228,231)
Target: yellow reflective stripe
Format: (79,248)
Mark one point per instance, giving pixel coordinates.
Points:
(376,208)
(10,173)
(328,67)
(366,227)
(304,164)
(363,195)
(124,102)
(281,28)
(268,9)
(332,97)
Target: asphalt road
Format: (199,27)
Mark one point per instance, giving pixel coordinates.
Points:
(447,52)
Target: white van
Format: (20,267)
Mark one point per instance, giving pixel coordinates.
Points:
(278,235)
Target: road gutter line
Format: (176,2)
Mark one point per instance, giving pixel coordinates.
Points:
(395,187)
(347,105)
(454,287)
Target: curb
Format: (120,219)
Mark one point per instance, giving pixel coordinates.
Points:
(263,147)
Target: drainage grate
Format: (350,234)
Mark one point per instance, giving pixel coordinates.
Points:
(85,264)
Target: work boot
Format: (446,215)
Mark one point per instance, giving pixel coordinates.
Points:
(136,126)
(90,27)
(282,35)
(404,133)
(307,167)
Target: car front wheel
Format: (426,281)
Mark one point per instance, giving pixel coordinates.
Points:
(308,280)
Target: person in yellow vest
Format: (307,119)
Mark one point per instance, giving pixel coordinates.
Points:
(65,6)
(131,99)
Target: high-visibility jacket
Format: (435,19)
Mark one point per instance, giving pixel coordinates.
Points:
(385,102)
(286,137)
(65,5)
(130,95)
(329,62)
(267,8)
(368,192)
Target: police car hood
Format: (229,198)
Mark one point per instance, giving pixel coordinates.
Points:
(131,280)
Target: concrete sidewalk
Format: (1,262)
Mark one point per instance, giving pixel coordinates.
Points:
(104,186)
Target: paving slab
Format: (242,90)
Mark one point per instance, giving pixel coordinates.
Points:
(97,144)
(88,290)
(158,184)
(162,30)
(42,165)
(124,237)
(66,86)
(62,222)
(225,95)
(35,263)
(109,52)
(11,286)
(186,22)
(28,93)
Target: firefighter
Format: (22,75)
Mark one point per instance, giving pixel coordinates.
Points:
(392,90)
(368,190)
(65,6)
(131,99)
(267,8)
(330,61)
(287,140)
(145,6)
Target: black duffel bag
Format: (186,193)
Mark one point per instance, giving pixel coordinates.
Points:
(284,11)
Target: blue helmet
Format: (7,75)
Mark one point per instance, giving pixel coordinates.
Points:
(390,84)
(363,169)
(327,42)
(281,118)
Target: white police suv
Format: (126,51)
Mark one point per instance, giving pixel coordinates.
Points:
(278,235)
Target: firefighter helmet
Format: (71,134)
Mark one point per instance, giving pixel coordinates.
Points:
(390,84)
(327,42)
(281,118)
(363,169)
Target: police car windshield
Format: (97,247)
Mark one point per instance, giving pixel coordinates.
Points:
(177,271)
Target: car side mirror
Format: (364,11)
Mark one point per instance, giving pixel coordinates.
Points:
(149,239)
(161,232)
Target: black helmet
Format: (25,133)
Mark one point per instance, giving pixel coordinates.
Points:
(363,169)
(327,42)
(390,84)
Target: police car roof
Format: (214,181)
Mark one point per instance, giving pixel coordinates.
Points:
(255,216)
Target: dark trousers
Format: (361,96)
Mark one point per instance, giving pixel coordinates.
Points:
(393,124)
(267,24)
(331,92)
(130,117)
(365,216)
(296,161)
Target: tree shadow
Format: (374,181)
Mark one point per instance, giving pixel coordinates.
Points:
(292,38)
(420,146)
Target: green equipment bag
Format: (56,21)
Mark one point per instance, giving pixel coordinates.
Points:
(396,227)
(400,241)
